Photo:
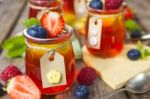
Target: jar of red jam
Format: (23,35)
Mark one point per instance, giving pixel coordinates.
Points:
(38,7)
(50,62)
(105,32)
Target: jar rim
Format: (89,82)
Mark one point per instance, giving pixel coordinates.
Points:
(50,40)
(112,11)
(43,1)
(51,4)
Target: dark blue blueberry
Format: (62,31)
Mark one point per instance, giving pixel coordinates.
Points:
(81,92)
(37,32)
(136,34)
(96,4)
(34,26)
(32,32)
(42,32)
(1,90)
(134,54)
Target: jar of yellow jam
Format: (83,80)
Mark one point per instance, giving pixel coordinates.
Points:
(50,62)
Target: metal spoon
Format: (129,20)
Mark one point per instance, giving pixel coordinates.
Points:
(144,37)
(138,85)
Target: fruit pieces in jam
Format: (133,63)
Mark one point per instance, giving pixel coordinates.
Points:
(33,65)
(36,6)
(37,46)
(69,14)
(112,34)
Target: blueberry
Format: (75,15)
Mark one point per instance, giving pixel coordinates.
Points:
(134,54)
(34,26)
(32,32)
(96,4)
(81,92)
(42,33)
(136,34)
(1,90)
(37,32)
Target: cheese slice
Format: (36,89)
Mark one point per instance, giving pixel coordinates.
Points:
(118,70)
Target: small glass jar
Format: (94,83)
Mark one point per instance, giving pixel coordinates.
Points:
(37,48)
(105,32)
(37,7)
(80,7)
(68,12)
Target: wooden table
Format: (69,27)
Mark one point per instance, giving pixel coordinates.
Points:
(13,12)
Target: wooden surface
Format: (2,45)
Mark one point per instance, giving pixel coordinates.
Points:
(12,12)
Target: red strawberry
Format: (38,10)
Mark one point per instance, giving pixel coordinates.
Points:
(53,23)
(128,13)
(9,72)
(113,4)
(22,87)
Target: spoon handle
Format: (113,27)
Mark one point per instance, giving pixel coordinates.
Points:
(145,37)
(113,93)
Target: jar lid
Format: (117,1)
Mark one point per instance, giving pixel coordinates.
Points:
(59,39)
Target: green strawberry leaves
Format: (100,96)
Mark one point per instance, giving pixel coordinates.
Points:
(144,52)
(132,25)
(30,22)
(15,46)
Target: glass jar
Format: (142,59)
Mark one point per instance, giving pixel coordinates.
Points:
(38,65)
(37,7)
(105,32)
(68,11)
(80,7)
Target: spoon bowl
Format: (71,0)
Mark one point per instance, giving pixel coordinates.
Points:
(137,85)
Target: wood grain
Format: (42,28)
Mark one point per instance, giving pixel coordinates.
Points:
(9,13)
(141,9)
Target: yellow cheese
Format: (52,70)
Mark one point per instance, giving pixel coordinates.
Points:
(118,70)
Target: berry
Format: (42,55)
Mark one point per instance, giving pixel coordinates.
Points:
(1,90)
(86,76)
(81,92)
(113,4)
(128,13)
(24,87)
(134,54)
(9,72)
(96,4)
(37,31)
(136,34)
(53,23)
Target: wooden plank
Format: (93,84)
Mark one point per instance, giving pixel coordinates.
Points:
(19,61)
(140,96)
(142,12)
(9,13)
(16,28)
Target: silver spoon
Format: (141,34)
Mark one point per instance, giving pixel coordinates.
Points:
(138,85)
(144,37)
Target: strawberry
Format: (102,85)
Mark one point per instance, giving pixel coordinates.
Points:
(128,13)
(9,72)
(22,87)
(53,23)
